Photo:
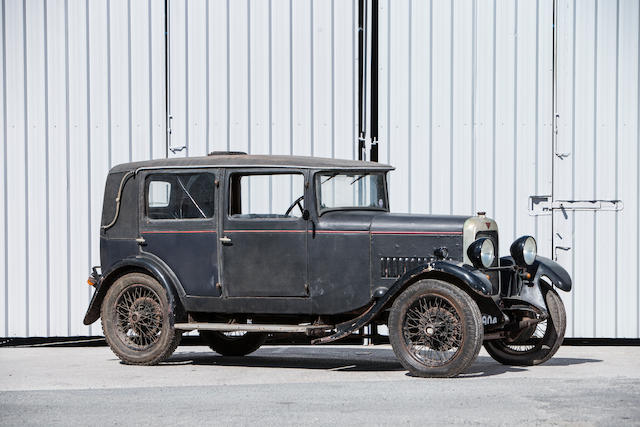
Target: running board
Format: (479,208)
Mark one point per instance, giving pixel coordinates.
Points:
(249,327)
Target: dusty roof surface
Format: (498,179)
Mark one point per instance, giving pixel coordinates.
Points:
(248,160)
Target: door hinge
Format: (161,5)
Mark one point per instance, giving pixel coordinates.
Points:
(544,205)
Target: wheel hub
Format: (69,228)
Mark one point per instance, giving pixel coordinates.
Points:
(139,317)
(433,330)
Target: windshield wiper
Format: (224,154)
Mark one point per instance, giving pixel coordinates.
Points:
(330,178)
(358,178)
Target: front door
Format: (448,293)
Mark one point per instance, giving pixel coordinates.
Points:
(178,225)
(264,237)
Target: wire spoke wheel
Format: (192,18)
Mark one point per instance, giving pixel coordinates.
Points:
(432,330)
(537,343)
(136,320)
(234,334)
(435,329)
(139,317)
(531,340)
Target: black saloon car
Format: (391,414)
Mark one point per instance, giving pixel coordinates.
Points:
(242,246)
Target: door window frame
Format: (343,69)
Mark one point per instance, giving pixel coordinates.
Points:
(173,223)
(264,171)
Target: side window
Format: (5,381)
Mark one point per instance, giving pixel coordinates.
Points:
(180,196)
(159,192)
(277,195)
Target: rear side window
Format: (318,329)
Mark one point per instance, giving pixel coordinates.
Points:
(180,196)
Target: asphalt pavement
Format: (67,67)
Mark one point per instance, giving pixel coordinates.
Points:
(304,385)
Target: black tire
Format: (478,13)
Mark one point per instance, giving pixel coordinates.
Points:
(435,329)
(233,345)
(538,346)
(135,320)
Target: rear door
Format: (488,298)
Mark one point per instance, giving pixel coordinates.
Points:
(264,237)
(178,225)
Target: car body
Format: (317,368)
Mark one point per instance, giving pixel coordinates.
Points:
(238,246)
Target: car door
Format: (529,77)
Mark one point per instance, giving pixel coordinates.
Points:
(264,235)
(178,225)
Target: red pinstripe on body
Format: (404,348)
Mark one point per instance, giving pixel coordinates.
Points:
(441,233)
(177,231)
(428,233)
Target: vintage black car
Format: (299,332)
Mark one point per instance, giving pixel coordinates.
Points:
(241,246)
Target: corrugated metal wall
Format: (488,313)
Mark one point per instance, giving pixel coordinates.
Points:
(279,75)
(598,95)
(82,89)
(466,117)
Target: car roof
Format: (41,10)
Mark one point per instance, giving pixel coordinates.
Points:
(227,160)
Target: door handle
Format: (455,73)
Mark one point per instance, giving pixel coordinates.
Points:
(225,240)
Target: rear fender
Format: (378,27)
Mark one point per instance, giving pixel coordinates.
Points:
(145,263)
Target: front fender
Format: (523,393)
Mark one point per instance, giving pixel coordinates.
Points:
(545,267)
(532,291)
(472,277)
(155,268)
(465,277)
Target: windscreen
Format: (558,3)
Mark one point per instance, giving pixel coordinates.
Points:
(351,190)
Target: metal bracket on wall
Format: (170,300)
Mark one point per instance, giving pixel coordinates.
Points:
(174,150)
(561,248)
(558,154)
(544,205)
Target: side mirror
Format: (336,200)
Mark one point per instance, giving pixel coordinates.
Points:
(305,215)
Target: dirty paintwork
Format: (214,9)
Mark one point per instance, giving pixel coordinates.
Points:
(341,267)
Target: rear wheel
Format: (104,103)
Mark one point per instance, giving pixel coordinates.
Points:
(135,320)
(233,343)
(538,343)
(435,329)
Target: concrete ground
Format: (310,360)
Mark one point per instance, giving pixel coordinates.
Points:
(329,385)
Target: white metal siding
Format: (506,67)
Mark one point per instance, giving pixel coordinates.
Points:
(82,89)
(465,115)
(281,76)
(598,95)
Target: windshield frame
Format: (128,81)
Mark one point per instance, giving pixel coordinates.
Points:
(320,173)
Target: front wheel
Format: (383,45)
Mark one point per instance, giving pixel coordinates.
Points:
(435,329)
(536,345)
